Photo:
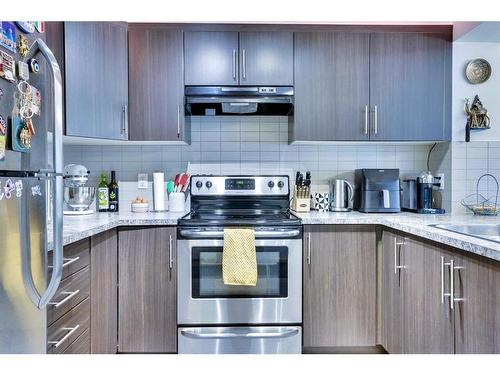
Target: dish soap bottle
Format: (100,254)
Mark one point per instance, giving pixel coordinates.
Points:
(113,193)
(103,194)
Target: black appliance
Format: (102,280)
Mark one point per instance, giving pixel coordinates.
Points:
(418,194)
(223,100)
(377,190)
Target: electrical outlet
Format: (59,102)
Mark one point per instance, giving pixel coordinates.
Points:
(441,180)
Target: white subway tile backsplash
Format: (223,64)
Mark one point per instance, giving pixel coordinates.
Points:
(247,145)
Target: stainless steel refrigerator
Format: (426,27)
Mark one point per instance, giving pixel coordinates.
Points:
(31,191)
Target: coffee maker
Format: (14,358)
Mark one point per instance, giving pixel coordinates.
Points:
(418,194)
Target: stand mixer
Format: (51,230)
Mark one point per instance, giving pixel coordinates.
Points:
(77,196)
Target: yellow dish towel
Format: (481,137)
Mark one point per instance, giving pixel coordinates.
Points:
(239,259)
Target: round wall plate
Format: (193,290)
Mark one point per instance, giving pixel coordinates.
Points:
(478,71)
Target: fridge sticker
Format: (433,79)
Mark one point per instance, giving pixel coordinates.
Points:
(8,35)
(7,67)
(26,26)
(19,188)
(3,137)
(22,45)
(3,126)
(23,70)
(9,188)
(36,190)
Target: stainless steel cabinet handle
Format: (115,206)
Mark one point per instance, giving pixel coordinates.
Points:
(68,261)
(170,257)
(178,121)
(375,120)
(234,64)
(66,336)
(244,65)
(366,119)
(69,296)
(309,248)
(396,265)
(194,233)
(125,119)
(452,284)
(189,332)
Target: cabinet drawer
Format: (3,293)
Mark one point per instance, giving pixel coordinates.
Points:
(68,328)
(81,345)
(72,290)
(76,257)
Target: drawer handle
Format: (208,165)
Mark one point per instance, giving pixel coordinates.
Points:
(64,300)
(68,261)
(65,337)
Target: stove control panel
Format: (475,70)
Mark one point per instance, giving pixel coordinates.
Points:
(240,185)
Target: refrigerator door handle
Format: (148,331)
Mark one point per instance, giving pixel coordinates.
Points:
(41,301)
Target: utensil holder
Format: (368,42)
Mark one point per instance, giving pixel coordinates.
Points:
(301,201)
(177,202)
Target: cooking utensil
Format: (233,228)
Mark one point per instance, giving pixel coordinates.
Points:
(182,182)
(478,71)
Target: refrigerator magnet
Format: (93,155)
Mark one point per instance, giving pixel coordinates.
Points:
(20,137)
(34,66)
(3,125)
(8,35)
(22,45)
(40,26)
(27,27)
(7,67)
(3,137)
(23,70)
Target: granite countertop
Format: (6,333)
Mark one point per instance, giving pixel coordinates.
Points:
(79,227)
(417,225)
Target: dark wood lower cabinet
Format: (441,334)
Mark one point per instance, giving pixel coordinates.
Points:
(417,316)
(104,293)
(147,308)
(339,286)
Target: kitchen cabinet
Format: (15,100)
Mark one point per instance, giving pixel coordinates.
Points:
(104,292)
(331,86)
(211,58)
(410,82)
(417,316)
(147,310)
(358,86)
(156,94)
(266,58)
(96,79)
(339,277)
(229,58)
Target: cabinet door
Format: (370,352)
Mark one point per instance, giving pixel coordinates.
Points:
(211,58)
(477,312)
(147,312)
(428,323)
(331,86)
(339,286)
(96,70)
(409,79)
(156,85)
(266,58)
(104,292)
(392,329)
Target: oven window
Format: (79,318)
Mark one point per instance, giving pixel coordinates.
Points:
(272,274)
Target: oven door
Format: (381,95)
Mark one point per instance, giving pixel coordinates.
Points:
(203,298)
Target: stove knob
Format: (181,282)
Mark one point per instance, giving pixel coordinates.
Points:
(270,184)
(281,184)
(208,184)
(199,184)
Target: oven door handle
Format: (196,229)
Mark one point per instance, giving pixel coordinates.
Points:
(196,233)
(279,333)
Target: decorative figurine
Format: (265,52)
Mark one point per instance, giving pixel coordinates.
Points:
(477,116)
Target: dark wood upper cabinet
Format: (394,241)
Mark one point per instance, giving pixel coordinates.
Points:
(266,58)
(156,86)
(96,79)
(339,278)
(410,80)
(211,58)
(147,296)
(331,86)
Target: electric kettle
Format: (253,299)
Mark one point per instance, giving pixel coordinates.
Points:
(341,195)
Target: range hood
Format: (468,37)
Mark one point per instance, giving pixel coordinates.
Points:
(230,100)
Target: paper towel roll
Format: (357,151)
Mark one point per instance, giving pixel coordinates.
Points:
(159,191)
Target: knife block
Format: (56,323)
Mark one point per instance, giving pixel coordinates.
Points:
(303,203)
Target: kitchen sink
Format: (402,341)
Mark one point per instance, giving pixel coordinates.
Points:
(489,232)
